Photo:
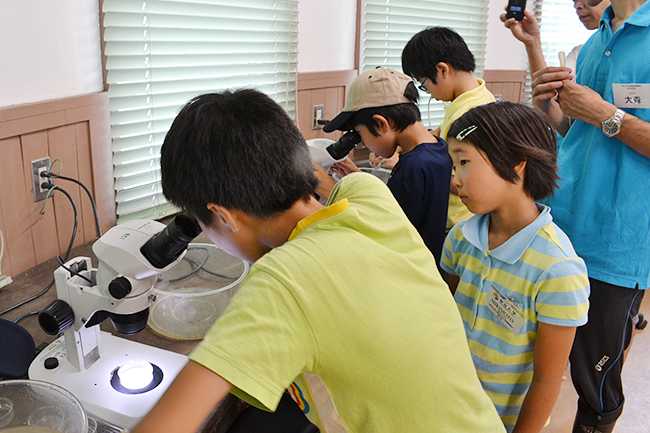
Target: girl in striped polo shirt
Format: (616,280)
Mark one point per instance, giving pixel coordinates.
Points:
(519,285)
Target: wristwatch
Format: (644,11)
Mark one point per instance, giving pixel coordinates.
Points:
(612,126)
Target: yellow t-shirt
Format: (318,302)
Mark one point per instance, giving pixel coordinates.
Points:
(354,297)
(480,95)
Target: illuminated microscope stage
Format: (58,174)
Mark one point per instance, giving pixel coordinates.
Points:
(93,386)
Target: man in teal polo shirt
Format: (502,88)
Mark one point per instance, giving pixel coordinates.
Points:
(603,203)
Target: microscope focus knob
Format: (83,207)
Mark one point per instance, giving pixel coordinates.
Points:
(120,287)
(51,363)
(56,317)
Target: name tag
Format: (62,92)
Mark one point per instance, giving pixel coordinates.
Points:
(631,95)
(505,310)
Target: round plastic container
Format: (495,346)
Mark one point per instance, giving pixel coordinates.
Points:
(192,295)
(30,406)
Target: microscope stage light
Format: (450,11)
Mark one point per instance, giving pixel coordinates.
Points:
(94,386)
(136,377)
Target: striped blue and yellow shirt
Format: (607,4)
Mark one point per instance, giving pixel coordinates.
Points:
(535,276)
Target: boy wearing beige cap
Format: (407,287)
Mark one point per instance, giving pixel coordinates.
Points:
(381,107)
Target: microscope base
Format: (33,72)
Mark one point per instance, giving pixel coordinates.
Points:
(92,386)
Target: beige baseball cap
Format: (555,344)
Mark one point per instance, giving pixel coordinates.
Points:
(377,87)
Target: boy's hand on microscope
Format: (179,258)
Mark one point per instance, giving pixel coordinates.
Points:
(344,167)
(381,162)
(325,181)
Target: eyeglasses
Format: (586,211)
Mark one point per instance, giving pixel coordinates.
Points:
(422,86)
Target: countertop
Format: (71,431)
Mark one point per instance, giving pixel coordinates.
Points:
(36,280)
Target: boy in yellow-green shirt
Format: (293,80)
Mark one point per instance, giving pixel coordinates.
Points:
(346,294)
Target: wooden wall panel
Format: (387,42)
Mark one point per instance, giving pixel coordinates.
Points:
(506,83)
(5,265)
(85,176)
(100,178)
(323,88)
(43,227)
(334,98)
(77,131)
(63,147)
(19,250)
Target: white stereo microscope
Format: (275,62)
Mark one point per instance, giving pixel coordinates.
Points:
(117,380)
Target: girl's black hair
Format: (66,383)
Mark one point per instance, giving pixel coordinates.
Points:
(509,133)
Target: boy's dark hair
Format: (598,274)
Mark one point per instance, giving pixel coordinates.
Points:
(508,134)
(431,46)
(401,115)
(236,149)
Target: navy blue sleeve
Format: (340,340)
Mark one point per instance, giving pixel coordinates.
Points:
(420,184)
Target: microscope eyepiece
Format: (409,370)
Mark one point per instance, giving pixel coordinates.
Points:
(163,248)
(344,145)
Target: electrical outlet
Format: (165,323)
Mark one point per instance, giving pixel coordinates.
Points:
(319,112)
(39,166)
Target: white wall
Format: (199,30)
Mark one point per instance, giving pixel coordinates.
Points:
(503,51)
(326,35)
(50,49)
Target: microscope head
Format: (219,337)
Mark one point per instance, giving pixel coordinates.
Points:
(143,248)
(130,256)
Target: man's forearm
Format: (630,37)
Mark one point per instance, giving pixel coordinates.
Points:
(635,133)
(535,55)
(552,109)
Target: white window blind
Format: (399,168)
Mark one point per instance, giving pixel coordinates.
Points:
(161,53)
(389,24)
(560,28)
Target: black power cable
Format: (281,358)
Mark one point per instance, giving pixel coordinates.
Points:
(21,303)
(72,271)
(67,254)
(24,316)
(76,222)
(51,175)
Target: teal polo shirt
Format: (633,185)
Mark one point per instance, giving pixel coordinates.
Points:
(603,200)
